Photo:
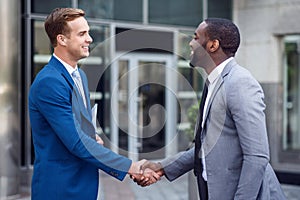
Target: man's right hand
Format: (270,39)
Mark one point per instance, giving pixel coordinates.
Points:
(149,167)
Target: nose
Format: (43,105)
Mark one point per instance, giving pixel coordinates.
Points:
(191,43)
(89,38)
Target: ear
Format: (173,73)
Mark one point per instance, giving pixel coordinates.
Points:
(213,45)
(61,39)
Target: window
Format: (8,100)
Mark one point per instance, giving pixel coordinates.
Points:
(222,9)
(97,8)
(46,7)
(291,137)
(175,12)
(190,86)
(126,10)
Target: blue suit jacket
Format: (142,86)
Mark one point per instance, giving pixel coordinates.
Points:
(67,157)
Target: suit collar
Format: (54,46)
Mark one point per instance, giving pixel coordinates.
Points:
(228,67)
(61,68)
(218,70)
(220,81)
(63,71)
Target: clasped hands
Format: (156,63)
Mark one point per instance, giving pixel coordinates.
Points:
(145,172)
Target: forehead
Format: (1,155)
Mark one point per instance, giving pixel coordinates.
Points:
(78,24)
(201,29)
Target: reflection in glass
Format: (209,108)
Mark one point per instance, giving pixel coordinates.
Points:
(291,139)
(189,87)
(42,47)
(152,111)
(97,8)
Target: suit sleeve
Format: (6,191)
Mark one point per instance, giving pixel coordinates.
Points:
(179,164)
(245,103)
(53,100)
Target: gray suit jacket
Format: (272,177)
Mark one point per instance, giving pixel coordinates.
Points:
(235,141)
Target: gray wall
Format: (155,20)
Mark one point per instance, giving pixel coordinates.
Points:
(262,25)
(9,97)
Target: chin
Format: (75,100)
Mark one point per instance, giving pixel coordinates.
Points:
(85,55)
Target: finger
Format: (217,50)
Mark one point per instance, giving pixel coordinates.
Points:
(146,182)
(99,140)
(145,165)
(153,179)
(156,176)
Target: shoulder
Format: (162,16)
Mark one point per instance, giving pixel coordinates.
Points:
(240,85)
(238,76)
(48,73)
(48,80)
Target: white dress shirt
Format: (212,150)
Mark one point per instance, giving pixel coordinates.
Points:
(212,78)
(68,67)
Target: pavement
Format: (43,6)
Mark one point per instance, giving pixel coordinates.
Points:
(112,189)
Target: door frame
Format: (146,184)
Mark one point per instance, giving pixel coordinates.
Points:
(133,59)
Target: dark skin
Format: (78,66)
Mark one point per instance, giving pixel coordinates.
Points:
(206,53)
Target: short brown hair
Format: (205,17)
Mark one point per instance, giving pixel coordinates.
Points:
(56,22)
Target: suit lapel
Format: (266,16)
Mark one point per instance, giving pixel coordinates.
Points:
(213,94)
(60,67)
(220,81)
(85,111)
(86,90)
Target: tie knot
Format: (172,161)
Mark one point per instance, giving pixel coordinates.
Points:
(207,82)
(76,74)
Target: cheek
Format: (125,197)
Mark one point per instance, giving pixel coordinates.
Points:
(194,44)
(200,51)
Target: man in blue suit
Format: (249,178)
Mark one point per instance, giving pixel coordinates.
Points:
(231,154)
(67,153)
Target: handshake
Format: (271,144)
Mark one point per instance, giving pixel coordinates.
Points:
(145,172)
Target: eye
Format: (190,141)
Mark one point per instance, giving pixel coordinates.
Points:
(195,37)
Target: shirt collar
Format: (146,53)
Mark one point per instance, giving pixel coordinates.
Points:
(68,67)
(218,70)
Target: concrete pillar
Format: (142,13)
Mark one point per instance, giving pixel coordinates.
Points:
(10,18)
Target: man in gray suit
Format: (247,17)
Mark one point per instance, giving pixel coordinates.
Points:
(231,154)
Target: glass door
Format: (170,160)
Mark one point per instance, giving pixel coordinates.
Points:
(144,105)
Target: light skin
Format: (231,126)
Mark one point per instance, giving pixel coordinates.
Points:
(71,48)
(75,45)
(205,53)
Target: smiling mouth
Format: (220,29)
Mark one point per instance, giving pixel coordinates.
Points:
(85,48)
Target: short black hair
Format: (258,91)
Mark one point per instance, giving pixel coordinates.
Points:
(226,32)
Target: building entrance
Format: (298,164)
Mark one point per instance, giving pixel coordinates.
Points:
(144,110)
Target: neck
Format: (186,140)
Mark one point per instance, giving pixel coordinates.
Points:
(217,60)
(64,57)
